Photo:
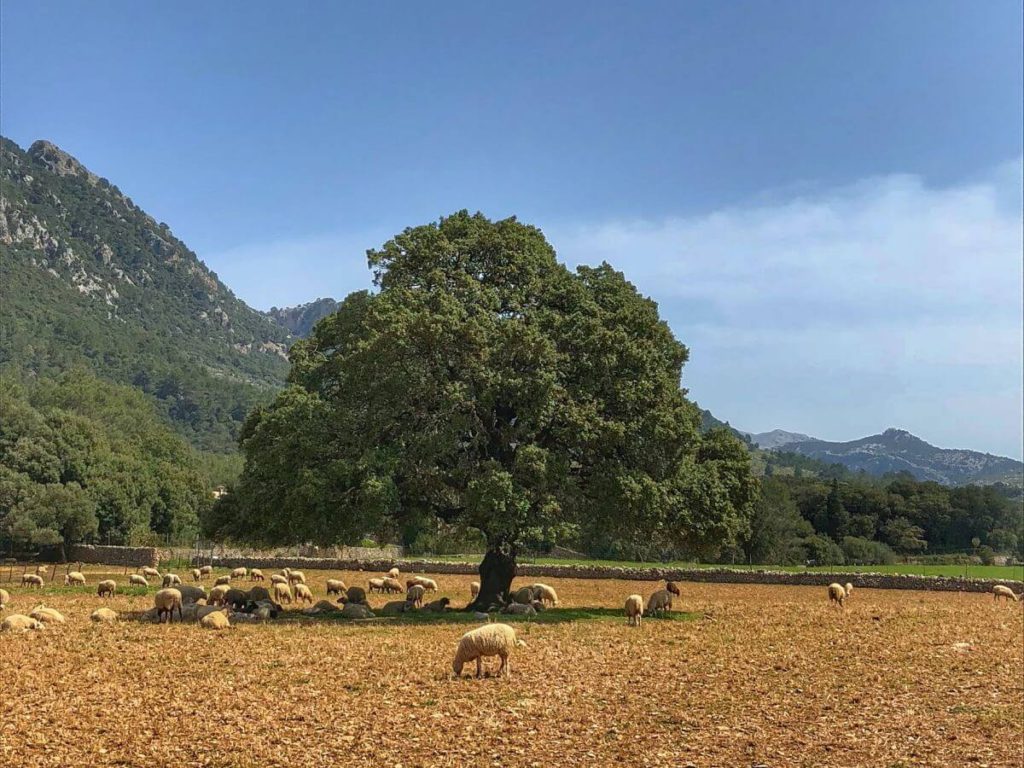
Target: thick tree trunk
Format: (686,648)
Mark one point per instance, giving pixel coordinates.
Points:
(496,573)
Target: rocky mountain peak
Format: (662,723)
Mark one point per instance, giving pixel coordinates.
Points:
(59,161)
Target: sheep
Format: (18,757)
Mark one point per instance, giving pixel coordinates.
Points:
(474,589)
(376,585)
(414,595)
(396,607)
(46,615)
(335,586)
(428,584)
(106,588)
(31,580)
(523,596)
(165,601)
(104,615)
(197,575)
(303,593)
(16,622)
(190,593)
(5,598)
(215,620)
(74,577)
(659,602)
(438,606)
(672,587)
(258,593)
(322,606)
(836,594)
(1001,590)
(277,578)
(137,581)
(256,575)
(170,580)
(221,581)
(296,577)
(217,594)
(519,609)
(356,611)
(236,598)
(393,586)
(238,573)
(282,593)
(393,573)
(848,589)
(355,595)
(264,609)
(41,570)
(545,594)
(488,640)
(150,573)
(205,570)
(634,610)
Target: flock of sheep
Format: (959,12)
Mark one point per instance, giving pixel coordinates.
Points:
(225,604)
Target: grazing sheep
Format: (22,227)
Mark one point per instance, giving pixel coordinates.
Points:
(205,570)
(489,640)
(46,615)
(474,589)
(672,587)
(190,593)
(396,607)
(519,609)
(356,611)
(31,580)
(659,602)
(217,594)
(236,598)
(74,577)
(197,574)
(103,615)
(335,586)
(216,620)
(165,601)
(322,606)
(256,575)
(303,593)
(41,570)
(836,594)
(258,593)
(282,593)
(150,573)
(221,581)
(393,573)
(277,578)
(137,581)
(170,580)
(5,598)
(376,585)
(634,610)
(545,594)
(848,589)
(393,586)
(106,588)
(428,584)
(1001,590)
(238,573)
(296,577)
(438,606)
(414,595)
(19,623)
(356,595)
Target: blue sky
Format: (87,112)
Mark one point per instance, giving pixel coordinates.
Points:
(824,198)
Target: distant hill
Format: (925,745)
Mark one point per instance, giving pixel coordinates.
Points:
(896,450)
(88,279)
(776,438)
(299,321)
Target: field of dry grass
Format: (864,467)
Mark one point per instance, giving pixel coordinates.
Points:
(745,675)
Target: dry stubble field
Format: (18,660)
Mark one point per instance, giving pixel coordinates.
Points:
(752,675)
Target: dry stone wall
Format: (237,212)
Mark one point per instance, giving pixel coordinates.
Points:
(134,556)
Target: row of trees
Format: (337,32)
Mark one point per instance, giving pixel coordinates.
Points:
(84,460)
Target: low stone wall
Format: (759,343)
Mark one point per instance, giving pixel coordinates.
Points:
(708,575)
(133,556)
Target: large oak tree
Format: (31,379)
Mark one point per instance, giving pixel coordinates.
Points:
(487,385)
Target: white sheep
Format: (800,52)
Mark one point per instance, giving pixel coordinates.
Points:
(414,595)
(659,602)
(256,575)
(277,578)
(221,580)
(393,586)
(104,615)
(197,574)
(474,589)
(217,594)
(16,622)
(375,585)
(31,580)
(296,577)
(282,593)
(106,588)
(1001,590)
(303,593)
(393,573)
(5,598)
(428,584)
(205,570)
(238,573)
(848,589)
(165,601)
(137,581)
(489,640)
(74,577)
(634,610)
(170,579)
(150,573)
(216,620)
(47,615)
(41,570)
(836,594)
(336,587)
(545,594)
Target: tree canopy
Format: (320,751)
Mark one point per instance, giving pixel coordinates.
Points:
(486,385)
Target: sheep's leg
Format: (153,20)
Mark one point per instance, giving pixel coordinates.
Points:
(479,667)
(504,670)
